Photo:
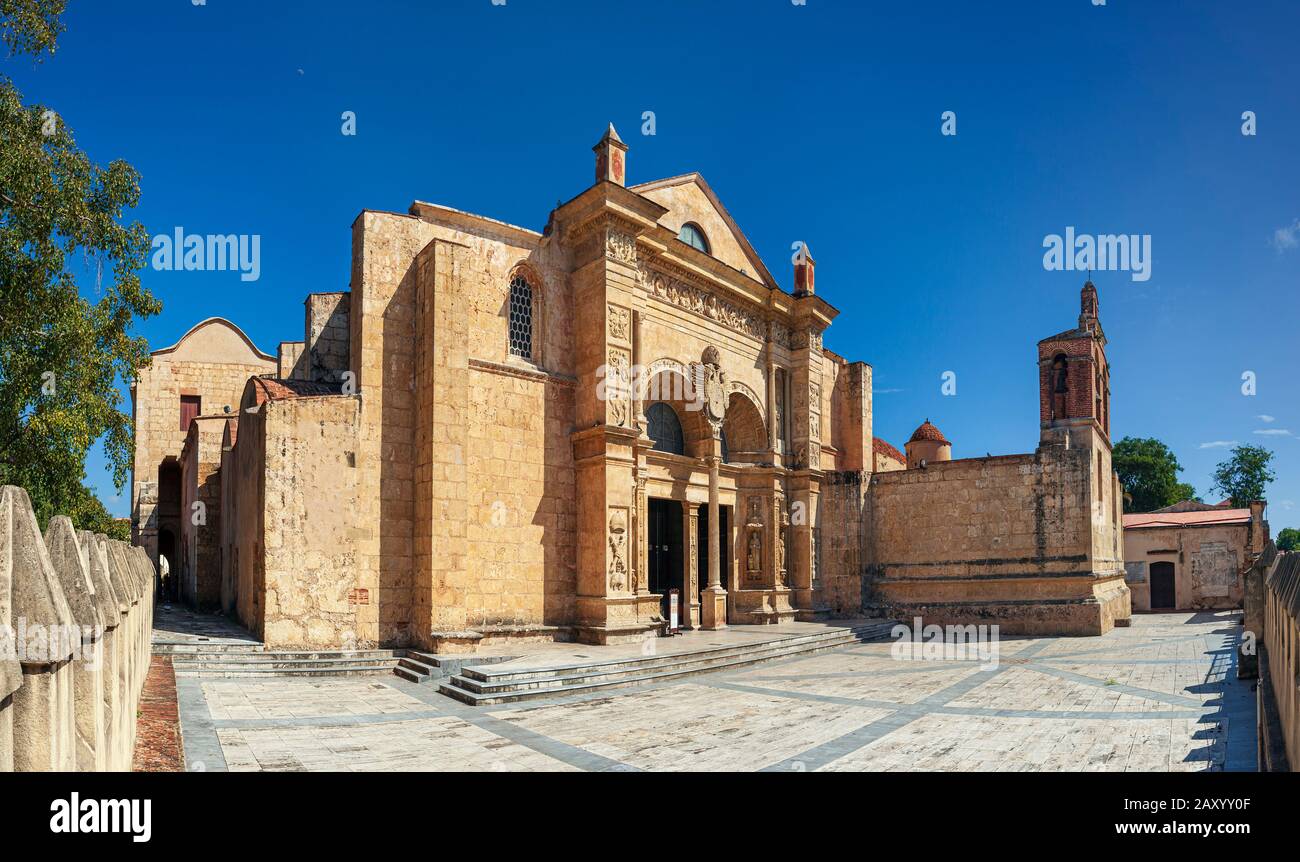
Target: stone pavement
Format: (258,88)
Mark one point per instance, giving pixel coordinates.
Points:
(1158,696)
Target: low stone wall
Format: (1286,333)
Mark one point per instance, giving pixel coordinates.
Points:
(76,617)
(1279,666)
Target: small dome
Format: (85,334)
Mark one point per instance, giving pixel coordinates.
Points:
(928,432)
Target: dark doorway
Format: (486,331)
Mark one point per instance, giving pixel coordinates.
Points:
(724,544)
(167,548)
(664,538)
(168,515)
(1162,587)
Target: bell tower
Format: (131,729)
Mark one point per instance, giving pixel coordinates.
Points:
(1074,380)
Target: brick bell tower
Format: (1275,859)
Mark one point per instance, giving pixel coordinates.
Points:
(1074,381)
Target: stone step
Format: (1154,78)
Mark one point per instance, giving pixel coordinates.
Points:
(289,655)
(639,670)
(504,675)
(419,666)
(166,647)
(246,673)
(412,675)
(687,664)
(273,664)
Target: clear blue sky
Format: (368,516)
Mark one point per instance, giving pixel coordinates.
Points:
(818,123)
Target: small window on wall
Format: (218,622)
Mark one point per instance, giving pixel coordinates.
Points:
(190,407)
(694,237)
(521,317)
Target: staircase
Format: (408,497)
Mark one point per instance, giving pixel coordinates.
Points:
(422,667)
(483,684)
(249,661)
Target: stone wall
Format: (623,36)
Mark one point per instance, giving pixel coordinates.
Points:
(315,595)
(328,337)
(1027,541)
(76,613)
(198,571)
(843,563)
(1279,689)
(291,361)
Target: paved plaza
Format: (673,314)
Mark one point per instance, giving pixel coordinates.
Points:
(1161,695)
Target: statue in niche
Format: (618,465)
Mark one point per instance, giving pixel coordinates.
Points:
(755,561)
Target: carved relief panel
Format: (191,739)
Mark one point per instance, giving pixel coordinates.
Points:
(617,550)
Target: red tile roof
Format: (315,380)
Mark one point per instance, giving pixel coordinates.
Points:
(880,447)
(928,432)
(1186,519)
(272,389)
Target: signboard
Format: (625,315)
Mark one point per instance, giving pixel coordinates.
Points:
(674,601)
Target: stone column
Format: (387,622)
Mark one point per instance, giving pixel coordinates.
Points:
(690,565)
(773,431)
(714,605)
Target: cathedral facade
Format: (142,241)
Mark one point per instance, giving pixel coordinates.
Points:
(595,430)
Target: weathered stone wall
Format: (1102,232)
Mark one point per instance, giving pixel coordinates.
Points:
(1027,541)
(382,354)
(314,593)
(1280,664)
(328,337)
(291,361)
(495,497)
(199,567)
(243,487)
(76,615)
(843,564)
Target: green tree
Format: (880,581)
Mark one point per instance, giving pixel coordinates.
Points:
(61,355)
(1148,472)
(1288,539)
(1244,476)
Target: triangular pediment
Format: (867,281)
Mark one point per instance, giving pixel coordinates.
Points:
(689,199)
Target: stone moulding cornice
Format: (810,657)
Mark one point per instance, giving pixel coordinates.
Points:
(475,224)
(537,376)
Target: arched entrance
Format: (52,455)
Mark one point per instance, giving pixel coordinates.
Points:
(1163,592)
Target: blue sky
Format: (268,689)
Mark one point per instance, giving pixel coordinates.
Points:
(818,123)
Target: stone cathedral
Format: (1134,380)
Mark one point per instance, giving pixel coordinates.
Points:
(500,433)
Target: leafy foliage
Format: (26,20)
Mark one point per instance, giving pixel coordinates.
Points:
(31,26)
(1288,539)
(61,354)
(1148,471)
(1244,476)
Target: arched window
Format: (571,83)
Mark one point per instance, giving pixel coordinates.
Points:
(692,235)
(665,429)
(521,317)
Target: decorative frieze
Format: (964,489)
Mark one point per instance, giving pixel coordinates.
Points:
(698,300)
(620,246)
